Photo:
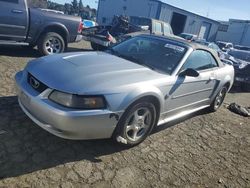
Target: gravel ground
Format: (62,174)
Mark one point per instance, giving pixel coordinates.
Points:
(202,150)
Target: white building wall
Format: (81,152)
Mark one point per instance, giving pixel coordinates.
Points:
(238,33)
(193,22)
(153,9)
(108,8)
(246,37)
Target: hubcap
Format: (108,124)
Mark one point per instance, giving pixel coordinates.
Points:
(138,124)
(219,98)
(53,45)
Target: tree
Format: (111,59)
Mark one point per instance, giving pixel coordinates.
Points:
(80,6)
(75,8)
(67,8)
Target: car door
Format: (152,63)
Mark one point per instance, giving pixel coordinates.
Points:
(13,20)
(193,92)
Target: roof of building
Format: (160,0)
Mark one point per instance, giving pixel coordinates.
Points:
(186,11)
(239,21)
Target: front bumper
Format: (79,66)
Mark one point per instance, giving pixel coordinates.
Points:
(61,121)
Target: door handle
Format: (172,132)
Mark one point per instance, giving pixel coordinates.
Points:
(17,11)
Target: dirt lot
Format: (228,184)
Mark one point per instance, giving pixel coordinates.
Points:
(202,150)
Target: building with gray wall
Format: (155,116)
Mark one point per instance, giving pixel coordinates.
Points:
(235,31)
(181,20)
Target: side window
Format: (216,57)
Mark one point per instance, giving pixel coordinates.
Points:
(10,1)
(200,60)
(157,27)
(167,29)
(213,61)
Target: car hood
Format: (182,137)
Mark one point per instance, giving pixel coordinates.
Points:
(89,72)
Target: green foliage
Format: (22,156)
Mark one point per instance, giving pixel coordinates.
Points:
(80,5)
(75,8)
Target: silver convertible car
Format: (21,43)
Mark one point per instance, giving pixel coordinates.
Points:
(123,92)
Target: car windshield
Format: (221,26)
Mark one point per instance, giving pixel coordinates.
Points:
(214,47)
(242,55)
(162,55)
(186,36)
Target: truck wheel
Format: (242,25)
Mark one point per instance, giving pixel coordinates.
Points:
(97,47)
(136,123)
(51,43)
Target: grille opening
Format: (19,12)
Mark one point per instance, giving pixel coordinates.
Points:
(36,84)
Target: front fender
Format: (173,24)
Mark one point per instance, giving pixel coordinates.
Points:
(121,101)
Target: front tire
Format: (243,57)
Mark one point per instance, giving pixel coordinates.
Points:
(136,123)
(218,99)
(51,43)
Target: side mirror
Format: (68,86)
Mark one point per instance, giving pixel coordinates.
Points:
(189,72)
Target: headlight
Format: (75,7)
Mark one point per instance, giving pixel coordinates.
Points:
(78,101)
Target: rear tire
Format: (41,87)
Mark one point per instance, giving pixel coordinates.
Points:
(51,43)
(136,123)
(218,101)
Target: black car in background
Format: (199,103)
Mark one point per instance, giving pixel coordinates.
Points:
(241,63)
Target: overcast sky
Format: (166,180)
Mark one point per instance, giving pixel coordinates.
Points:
(215,9)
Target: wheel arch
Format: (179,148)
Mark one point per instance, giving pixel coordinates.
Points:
(155,97)
(57,28)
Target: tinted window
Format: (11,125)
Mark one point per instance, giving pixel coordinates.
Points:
(158,54)
(140,21)
(167,30)
(157,27)
(10,1)
(200,60)
(242,55)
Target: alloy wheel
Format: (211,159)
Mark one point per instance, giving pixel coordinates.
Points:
(53,45)
(138,124)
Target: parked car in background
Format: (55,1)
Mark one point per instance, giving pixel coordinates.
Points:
(239,47)
(224,46)
(88,23)
(122,28)
(124,92)
(49,30)
(188,36)
(241,63)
